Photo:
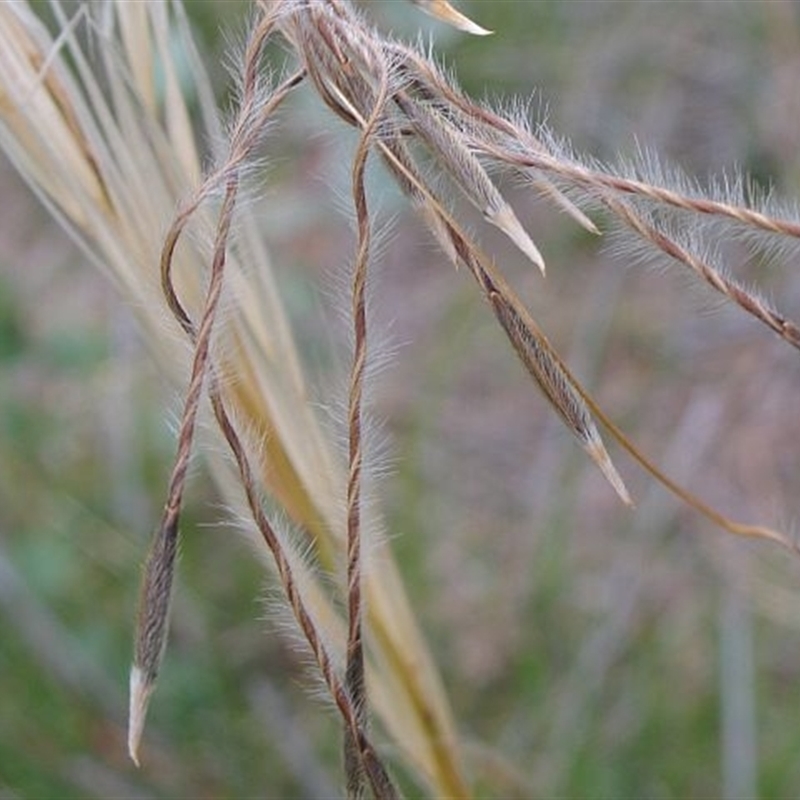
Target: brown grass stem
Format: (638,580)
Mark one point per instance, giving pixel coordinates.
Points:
(152,623)
(370,765)
(355,676)
(728,287)
(594,180)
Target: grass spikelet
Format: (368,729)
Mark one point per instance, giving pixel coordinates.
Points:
(452,152)
(536,354)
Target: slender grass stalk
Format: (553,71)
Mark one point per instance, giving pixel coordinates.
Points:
(355,646)
(159,568)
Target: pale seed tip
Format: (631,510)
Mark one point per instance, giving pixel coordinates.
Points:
(566,205)
(582,220)
(507,221)
(587,224)
(442,10)
(439,232)
(140,691)
(599,455)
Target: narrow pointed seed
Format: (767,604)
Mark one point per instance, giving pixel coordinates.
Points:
(597,452)
(442,10)
(438,229)
(565,204)
(505,219)
(140,690)
(537,355)
(152,625)
(448,145)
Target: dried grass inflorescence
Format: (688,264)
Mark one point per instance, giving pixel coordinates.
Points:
(114,171)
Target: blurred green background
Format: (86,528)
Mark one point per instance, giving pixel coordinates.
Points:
(589,651)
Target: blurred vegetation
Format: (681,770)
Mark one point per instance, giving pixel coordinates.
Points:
(595,650)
